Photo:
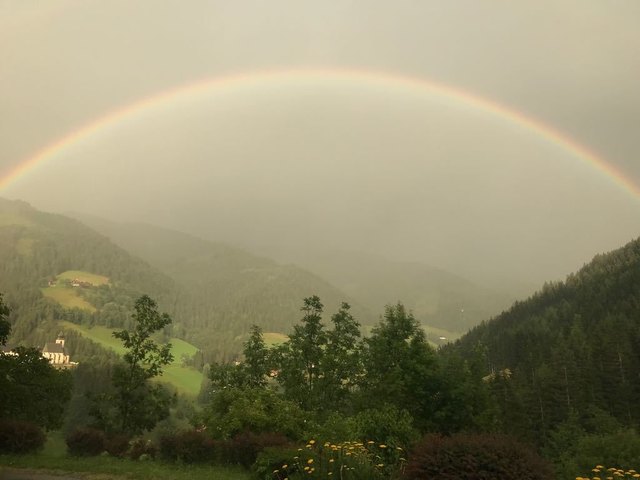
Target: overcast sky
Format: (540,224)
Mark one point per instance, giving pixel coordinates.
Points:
(340,164)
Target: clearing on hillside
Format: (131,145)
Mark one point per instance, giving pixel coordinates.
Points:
(272,338)
(64,291)
(88,277)
(67,297)
(186,380)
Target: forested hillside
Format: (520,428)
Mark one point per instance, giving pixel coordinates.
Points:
(214,293)
(36,247)
(239,287)
(570,354)
(436,297)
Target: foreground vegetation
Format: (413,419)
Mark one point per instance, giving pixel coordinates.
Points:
(556,372)
(54,458)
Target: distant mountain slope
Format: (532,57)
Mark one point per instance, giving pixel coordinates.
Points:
(241,287)
(437,298)
(573,346)
(214,293)
(35,247)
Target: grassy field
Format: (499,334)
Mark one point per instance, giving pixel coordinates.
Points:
(92,278)
(54,460)
(67,297)
(271,338)
(186,380)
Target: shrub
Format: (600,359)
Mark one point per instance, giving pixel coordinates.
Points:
(600,472)
(345,460)
(243,449)
(621,449)
(18,436)
(386,425)
(85,442)
(190,446)
(475,456)
(117,445)
(142,448)
(273,459)
(233,411)
(335,428)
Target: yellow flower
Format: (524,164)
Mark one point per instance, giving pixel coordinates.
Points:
(371,442)
(312,442)
(310,461)
(382,445)
(284,466)
(331,460)
(306,468)
(276,471)
(380,465)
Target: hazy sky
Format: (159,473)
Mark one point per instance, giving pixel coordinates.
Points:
(344,164)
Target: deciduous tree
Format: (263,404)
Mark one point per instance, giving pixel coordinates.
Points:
(139,403)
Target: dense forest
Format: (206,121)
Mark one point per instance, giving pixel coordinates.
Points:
(557,372)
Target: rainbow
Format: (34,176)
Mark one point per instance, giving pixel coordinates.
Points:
(277,77)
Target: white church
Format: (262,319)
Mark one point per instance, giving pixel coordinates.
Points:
(57,354)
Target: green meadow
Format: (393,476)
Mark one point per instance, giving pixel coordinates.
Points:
(271,338)
(92,278)
(67,297)
(186,380)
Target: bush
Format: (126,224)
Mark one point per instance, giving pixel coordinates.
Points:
(244,448)
(621,449)
(86,442)
(233,411)
(190,446)
(117,445)
(18,436)
(344,460)
(273,459)
(475,456)
(386,425)
(141,447)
